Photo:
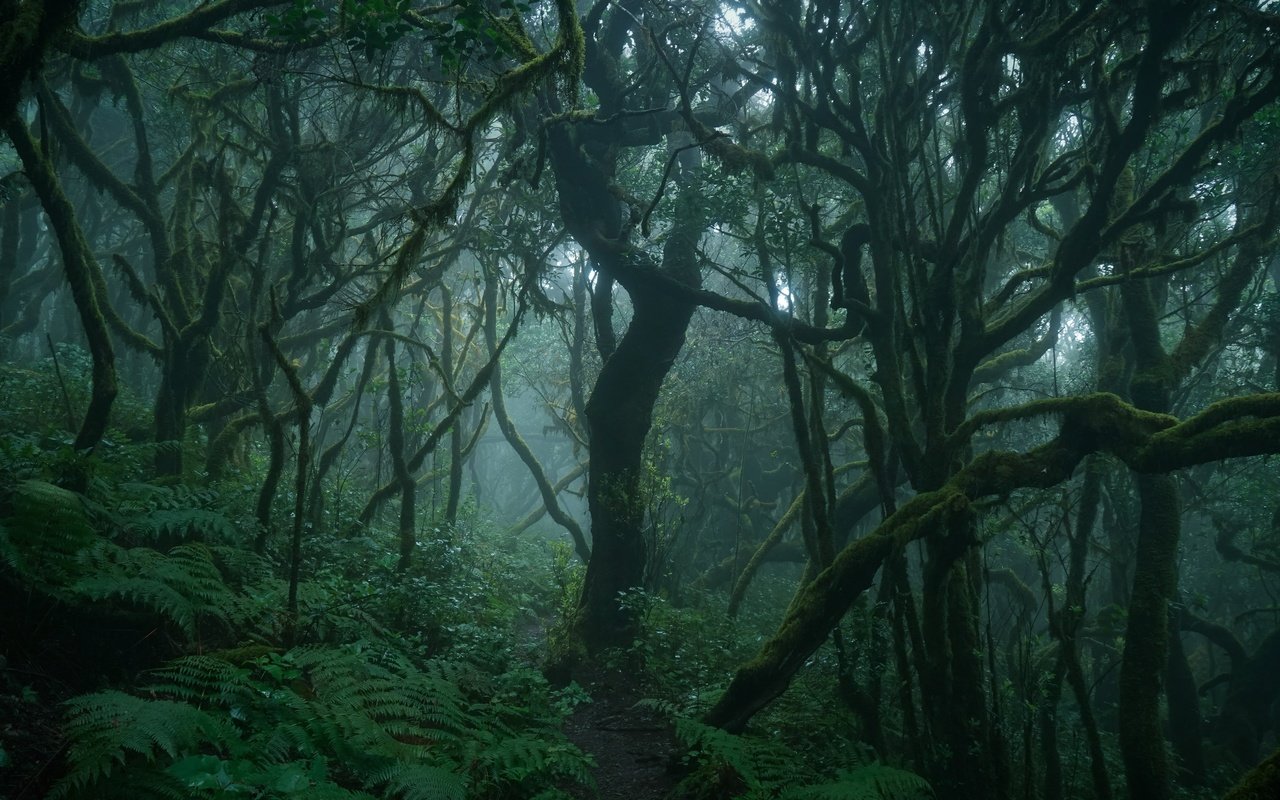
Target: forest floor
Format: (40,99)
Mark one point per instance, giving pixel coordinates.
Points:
(633,748)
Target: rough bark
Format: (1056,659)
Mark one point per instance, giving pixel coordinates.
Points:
(396,446)
(79,265)
(619,412)
(455,436)
(619,415)
(26,31)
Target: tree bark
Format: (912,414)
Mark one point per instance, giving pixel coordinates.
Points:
(619,415)
(80,266)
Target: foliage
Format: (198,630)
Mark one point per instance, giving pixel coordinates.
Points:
(944,224)
(65,545)
(723,764)
(358,720)
(46,529)
(873,782)
(685,650)
(360,714)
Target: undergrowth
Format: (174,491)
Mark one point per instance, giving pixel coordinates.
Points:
(719,764)
(800,748)
(396,685)
(358,720)
(386,684)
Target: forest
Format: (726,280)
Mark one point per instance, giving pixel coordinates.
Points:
(444,399)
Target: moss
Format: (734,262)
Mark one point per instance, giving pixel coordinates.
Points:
(822,602)
(575,44)
(758,557)
(735,158)
(1101,420)
(1260,783)
(1232,428)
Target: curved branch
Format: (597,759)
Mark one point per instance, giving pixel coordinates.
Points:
(1147,442)
(192,23)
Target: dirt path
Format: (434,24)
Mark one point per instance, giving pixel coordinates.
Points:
(632,747)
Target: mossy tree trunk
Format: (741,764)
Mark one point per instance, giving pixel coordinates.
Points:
(1261,783)
(82,272)
(1142,738)
(456,448)
(1145,663)
(619,412)
(27,28)
(619,415)
(954,692)
(397,446)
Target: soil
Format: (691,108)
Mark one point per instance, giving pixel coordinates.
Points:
(31,743)
(634,748)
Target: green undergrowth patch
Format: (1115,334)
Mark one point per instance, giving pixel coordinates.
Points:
(759,766)
(357,720)
(800,747)
(386,684)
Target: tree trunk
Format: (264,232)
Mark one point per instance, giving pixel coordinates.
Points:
(1184,708)
(619,415)
(1147,637)
(620,410)
(80,266)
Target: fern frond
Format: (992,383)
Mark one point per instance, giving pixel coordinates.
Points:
(143,592)
(182,586)
(285,741)
(135,498)
(47,529)
(196,524)
(241,567)
(707,742)
(521,759)
(109,729)
(203,681)
(872,782)
(420,782)
(274,723)
(332,791)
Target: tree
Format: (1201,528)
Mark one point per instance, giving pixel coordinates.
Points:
(950,126)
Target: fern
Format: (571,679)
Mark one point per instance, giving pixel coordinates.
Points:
(50,541)
(714,745)
(45,532)
(183,585)
(352,721)
(420,782)
(143,513)
(241,568)
(109,729)
(872,782)
(137,498)
(205,681)
(186,524)
(759,768)
(758,763)
(530,757)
